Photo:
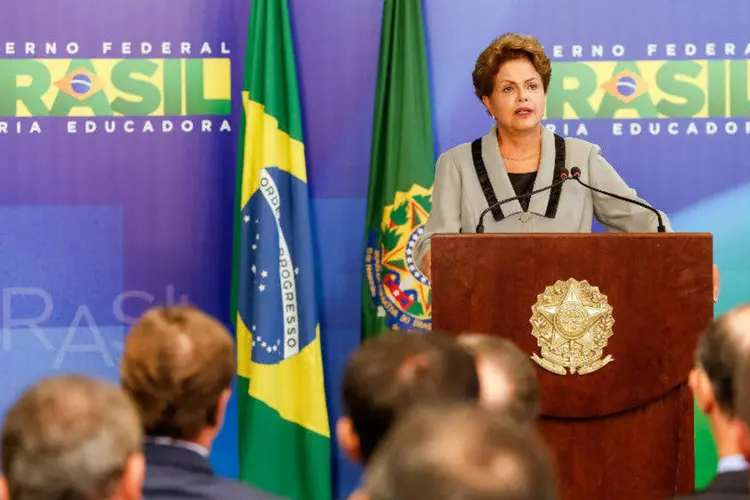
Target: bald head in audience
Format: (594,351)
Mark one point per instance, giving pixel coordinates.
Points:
(507,378)
(72,438)
(392,373)
(463,452)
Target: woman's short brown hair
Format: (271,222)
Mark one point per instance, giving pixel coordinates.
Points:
(506,48)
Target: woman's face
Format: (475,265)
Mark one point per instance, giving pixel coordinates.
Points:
(517,102)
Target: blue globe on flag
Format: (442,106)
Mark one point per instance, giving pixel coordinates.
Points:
(278,271)
(80,84)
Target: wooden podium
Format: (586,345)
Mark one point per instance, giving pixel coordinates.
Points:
(623,430)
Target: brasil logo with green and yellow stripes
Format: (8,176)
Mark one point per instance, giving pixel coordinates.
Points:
(650,97)
(115,95)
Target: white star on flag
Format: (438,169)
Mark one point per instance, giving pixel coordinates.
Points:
(262,287)
(257,236)
(253,269)
(253,327)
(255,246)
(247,219)
(296,270)
(264,274)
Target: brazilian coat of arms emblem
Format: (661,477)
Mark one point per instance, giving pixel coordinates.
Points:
(572,323)
(401,293)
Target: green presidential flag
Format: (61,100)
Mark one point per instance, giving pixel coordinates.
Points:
(395,294)
(284,437)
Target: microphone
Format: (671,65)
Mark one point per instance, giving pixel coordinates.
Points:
(575,172)
(564,176)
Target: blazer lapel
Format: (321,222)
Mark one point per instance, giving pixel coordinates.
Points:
(498,175)
(545,175)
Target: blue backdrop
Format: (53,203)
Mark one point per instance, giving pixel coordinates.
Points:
(97,225)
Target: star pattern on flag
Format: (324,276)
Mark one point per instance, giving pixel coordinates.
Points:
(266,311)
(260,277)
(267,345)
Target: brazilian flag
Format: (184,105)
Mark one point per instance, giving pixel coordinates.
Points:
(284,435)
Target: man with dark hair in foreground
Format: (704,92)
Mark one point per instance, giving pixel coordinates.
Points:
(713,383)
(391,374)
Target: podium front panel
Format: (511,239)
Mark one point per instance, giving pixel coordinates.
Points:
(624,426)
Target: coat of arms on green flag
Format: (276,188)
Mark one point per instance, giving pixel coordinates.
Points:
(395,294)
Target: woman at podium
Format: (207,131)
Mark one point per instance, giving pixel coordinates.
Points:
(518,156)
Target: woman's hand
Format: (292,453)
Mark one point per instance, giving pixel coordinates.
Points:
(717,283)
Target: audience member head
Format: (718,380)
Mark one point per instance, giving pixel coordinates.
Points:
(72,438)
(507,378)
(712,381)
(737,321)
(462,452)
(394,372)
(716,359)
(178,367)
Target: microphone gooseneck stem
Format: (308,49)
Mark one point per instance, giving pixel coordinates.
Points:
(660,227)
